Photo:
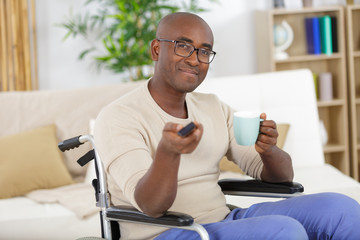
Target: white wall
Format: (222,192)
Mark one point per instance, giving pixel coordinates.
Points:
(231,20)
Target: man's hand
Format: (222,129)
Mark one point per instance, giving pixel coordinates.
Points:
(267,138)
(277,163)
(176,144)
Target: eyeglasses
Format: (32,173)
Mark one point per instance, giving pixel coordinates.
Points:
(184,49)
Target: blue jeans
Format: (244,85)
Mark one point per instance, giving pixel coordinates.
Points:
(314,216)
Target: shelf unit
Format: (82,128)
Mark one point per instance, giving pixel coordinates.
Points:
(353,47)
(333,113)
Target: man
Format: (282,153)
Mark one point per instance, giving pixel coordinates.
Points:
(155,170)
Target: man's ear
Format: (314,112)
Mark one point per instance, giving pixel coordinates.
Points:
(155,48)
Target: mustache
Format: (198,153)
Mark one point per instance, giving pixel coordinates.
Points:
(192,70)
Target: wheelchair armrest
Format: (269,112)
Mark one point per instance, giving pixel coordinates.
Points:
(237,186)
(127,213)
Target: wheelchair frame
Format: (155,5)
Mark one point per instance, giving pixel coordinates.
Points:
(110,215)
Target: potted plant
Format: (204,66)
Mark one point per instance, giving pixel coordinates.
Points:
(124,28)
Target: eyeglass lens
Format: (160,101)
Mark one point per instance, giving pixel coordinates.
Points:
(185,50)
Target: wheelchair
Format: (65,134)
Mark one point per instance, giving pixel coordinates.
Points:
(111,215)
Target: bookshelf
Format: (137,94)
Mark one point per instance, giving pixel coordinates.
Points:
(333,113)
(353,47)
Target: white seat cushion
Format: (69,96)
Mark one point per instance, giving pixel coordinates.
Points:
(22,218)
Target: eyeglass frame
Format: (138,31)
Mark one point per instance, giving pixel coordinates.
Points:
(195,49)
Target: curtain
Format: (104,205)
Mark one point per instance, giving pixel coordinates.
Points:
(17,45)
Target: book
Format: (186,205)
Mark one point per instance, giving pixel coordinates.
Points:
(313,41)
(334,34)
(325,35)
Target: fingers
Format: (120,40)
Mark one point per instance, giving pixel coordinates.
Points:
(175,128)
(178,144)
(263,116)
(190,142)
(268,128)
(267,138)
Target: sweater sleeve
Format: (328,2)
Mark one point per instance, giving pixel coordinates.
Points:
(121,145)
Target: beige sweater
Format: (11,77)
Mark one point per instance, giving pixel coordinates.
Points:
(127,133)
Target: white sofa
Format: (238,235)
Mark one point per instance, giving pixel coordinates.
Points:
(69,212)
(287,97)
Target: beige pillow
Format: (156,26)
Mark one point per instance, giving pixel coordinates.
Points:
(283,129)
(31,160)
(226,165)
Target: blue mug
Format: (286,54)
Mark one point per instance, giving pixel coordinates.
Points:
(246,127)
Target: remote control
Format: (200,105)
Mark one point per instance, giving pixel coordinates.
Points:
(186,130)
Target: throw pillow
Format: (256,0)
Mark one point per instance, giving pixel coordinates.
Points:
(226,165)
(31,160)
(282,130)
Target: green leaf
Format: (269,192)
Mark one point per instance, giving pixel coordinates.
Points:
(68,34)
(85,52)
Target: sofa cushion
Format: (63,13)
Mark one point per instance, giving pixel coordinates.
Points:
(23,218)
(30,160)
(226,165)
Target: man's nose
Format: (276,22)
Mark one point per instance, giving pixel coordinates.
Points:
(193,59)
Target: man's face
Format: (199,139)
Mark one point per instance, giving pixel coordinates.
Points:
(183,74)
